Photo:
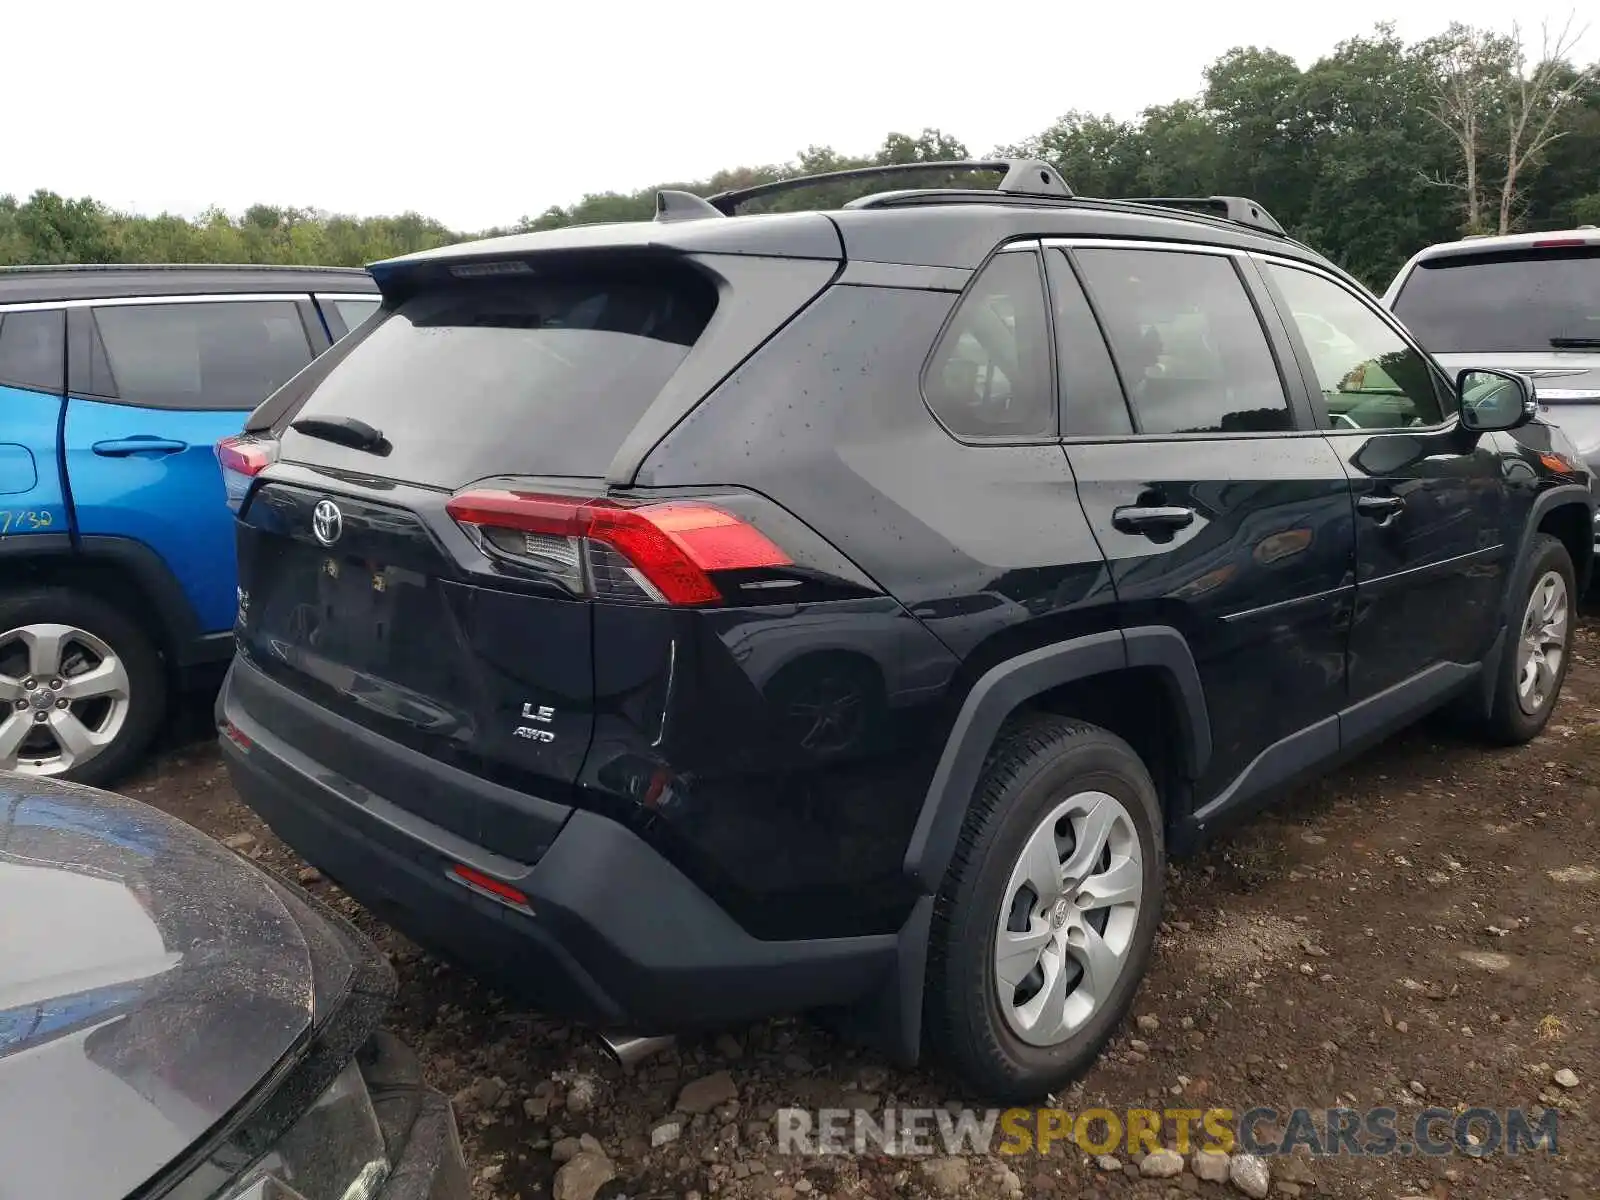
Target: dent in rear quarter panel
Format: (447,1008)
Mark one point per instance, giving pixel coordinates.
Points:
(774,754)
(985,551)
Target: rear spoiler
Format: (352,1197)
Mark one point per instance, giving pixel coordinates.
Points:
(790,236)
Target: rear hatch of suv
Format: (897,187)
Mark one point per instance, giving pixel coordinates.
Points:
(425,525)
(1533,307)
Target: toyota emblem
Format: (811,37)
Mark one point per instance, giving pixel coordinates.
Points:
(327,522)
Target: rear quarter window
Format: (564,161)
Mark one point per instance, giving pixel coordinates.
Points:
(537,377)
(33,350)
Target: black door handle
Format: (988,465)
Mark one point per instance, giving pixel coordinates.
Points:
(1382,509)
(1154,519)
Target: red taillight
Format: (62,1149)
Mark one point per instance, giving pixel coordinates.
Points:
(1559,243)
(673,544)
(488,884)
(244,455)
(242,458)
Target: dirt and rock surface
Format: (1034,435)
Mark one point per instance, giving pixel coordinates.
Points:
(1417,930)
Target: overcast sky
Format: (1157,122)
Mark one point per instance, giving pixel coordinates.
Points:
(477,113)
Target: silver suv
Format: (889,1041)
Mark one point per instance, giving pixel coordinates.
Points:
(1525,302)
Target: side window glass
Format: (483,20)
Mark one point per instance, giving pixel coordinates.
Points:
(33,350)
(1370,378)
(1092,403)
(1188,343)
(990,373)
(215,355)
(354,311)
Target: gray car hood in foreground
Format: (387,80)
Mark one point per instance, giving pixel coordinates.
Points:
(149,980)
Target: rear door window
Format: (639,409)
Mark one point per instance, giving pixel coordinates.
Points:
(223,354)
(542,377)
(1190,349)
(1523,302)
(1092,403)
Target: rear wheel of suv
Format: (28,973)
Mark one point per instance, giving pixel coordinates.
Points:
(1047,917)
(1534,665)
(82,690)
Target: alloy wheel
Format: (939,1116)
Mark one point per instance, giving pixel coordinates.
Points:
(64,698)
(1543,643)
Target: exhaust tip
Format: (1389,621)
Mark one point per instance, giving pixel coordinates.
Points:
(630,1049)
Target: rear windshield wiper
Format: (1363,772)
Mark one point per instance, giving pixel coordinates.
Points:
(344,431)
(1577,343)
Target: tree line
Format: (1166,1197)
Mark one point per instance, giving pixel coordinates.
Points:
(1374,150)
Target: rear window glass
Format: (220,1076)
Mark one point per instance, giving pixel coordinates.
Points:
(542,377)
(1524,302)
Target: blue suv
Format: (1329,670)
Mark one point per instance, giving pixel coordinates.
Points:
(117,576)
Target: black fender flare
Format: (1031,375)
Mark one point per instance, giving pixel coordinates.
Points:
(1543,504)
(1006,686)
(1480,700)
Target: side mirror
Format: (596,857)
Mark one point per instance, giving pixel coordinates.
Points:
(1493,401)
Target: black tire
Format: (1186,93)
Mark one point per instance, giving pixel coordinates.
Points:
(1035,763)
(147,679)
(1508,724)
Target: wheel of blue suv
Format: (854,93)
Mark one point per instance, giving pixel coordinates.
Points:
(1534,665)
(82,689)
(1047,916)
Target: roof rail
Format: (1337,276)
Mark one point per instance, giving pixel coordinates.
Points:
(95,268)
(1241,210)
(1022,177)
(675,205)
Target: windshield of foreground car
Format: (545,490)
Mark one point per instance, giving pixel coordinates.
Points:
(1526,301)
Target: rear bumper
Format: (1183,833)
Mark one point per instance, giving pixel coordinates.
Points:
(616,935)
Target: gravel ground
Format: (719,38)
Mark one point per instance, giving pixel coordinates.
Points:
(1416,930)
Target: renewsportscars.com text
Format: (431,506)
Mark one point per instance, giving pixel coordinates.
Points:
(1333,1131)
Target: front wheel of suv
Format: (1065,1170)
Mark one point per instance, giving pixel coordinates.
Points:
(82,689)
(1535,662)
(1047,917)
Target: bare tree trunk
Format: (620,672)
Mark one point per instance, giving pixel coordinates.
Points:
(1538,102)
(1458,108)
(1469,152)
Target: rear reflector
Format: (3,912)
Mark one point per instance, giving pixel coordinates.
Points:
(489,885)
(667,548)
(237,736)
(242,458)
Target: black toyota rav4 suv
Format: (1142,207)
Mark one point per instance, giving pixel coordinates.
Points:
(689,620)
